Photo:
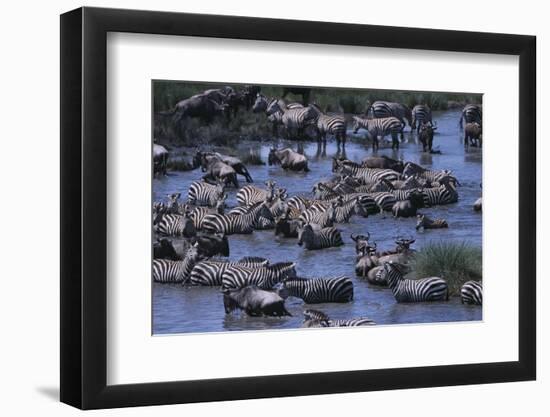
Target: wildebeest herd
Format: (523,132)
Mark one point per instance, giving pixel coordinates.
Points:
(193,235)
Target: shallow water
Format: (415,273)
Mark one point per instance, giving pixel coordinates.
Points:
(179,309)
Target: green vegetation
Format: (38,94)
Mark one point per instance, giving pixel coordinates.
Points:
(256,126)
(455,262)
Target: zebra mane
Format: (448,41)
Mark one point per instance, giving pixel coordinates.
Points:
(281,266)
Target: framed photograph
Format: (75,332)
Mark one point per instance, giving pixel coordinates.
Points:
(258,208)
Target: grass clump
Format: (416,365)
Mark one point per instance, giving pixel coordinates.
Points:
(456,262)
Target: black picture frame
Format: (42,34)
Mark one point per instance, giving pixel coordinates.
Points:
(84,207)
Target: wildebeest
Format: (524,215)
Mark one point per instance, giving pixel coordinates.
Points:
(366,259)
(203,158)
(471,113)
(201,106)
(288,159)
(383,162)
(255,302)
(426,136)
(212,244)
(160,159)
(472,134)
(421,114)
(424,222)
(409,207)
(286,226)
(216,169)
(163,249)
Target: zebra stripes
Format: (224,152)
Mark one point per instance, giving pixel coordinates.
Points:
(367,175)
(380,128)
(293,118)
(316,318)
(444,194)
(382,109)
(472,293)
(166,271)
(411,169)
(229,224)
(175,225)
(204,194)
(319,239)
(264,277)
(331,125)
(250,194)
(209,273)
(324,218)
(411,291)
(471,113)
(320,290)
(420,114)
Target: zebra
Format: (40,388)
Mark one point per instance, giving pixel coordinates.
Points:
(320,290)
(471,113)
(384,200)
(444,194)
(209,273)
(319,239)
(380,128)
(322,218)
(367,175)
(327,124)
(472,293)
(421,113)
(204,194)
(419,290)
(199,213)
(237,224)
(174,225)
(316,318)
(382,109)
(250,194)
(296,118)
(412,169)
(167,271)
(264,277)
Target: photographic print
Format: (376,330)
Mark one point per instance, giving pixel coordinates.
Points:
(288,207)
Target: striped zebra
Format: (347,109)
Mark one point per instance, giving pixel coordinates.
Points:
(174,225)
(471,113)
(331,125)
(314,239)
(320,290)
(384,200)
(324,218)
(316,318)
(383,109)
(250,194)
(229,224)
(209,273)
(421,113)
(264,277)
(415,290)
(296,119)
(444,194)
(380,128)
(412,169)
(367,175)
(167,271)
(472,293)
(199,213)
(204,194)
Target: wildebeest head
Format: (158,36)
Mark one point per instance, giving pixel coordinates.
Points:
(260,104)
(212,244)
(163,249)
(404,244)
(360,241)
(272,158)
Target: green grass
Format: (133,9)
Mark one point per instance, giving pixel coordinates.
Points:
(452,261)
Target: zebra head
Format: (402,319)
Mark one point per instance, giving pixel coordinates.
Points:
(393,274)
(404,244)
(420,221)
(273,158)
(274,107)
(356,124)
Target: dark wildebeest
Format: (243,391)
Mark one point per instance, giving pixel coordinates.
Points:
(300,91)
(426,136)
(215,170)
(472,134)
(255,302)
(249,93)
(383,162)
(198,106)
(287,226)
(470,113)
(212,244)
(234,162)
(288,159)
(160,159)
(423,221)
(409,207)
(163,249)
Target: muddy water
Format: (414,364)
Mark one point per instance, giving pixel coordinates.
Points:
(179,309)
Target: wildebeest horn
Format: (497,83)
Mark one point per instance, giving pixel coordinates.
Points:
(353,238)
